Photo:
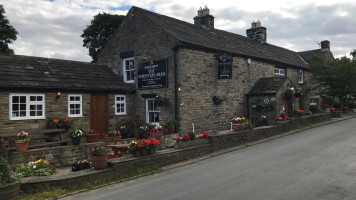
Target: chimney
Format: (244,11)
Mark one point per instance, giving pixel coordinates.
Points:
(204,19)
(325,45)
(257,32)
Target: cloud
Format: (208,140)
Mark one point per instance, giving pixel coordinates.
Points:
(52,28)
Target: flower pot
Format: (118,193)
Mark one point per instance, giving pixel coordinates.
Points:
(112,139)
(10,192)
(137,154)
(238,127)
(91,138)
(21,145)
(156,133)
(170,129)
(99,162)
(76,141)
(152,151)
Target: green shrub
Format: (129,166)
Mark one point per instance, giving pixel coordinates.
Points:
(5,175)
(313,108)
(171,123)
(38,168)
(191,135)
(352,104)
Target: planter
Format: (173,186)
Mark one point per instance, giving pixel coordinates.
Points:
(170,129)
(99,162)
(193,143)
(112,139)
(10,192)
(91,138)
(239,127)
(21,145)
(76,141)
(156,133)
(335,114)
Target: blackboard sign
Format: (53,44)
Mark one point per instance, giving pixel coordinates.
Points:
(152,74)
(224,68)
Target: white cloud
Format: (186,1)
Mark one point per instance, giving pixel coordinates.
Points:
(53,28)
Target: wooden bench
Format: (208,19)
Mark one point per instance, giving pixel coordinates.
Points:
(119,147)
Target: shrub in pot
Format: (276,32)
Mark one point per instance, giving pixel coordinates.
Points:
(171,124)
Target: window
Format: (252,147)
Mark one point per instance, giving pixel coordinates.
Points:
(300,75)
(75,105)
(120,105)
(314,101)
(152,113)
(27,106)
(129,70)
(279,71)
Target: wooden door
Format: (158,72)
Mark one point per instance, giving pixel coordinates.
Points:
(286,107)
(99,112)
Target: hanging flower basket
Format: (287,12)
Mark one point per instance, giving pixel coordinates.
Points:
(160,100)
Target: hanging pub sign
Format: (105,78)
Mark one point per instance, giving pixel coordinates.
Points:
(152,74)
(224,67)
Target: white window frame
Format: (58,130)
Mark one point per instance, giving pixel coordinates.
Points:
(278,71)
(75,102)
(311,102)
(300,76)
(28,104)
(120,102)
(130,70)
(148,101)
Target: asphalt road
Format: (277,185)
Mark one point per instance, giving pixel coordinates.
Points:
(319,163)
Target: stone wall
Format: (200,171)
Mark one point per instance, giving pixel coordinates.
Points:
(55,108)
(148,42)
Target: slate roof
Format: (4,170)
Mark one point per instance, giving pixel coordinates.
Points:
(197,36)
(267,86)
(34,73)
(309,55)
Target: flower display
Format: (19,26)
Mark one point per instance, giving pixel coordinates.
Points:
(59,123)
(91,132)
(23,135)
(113,134)
(144,145)
(81,165)
(38,168)
(158,128)
(236,120)
(76,133)
(161,100)
(99,151)
(204,135)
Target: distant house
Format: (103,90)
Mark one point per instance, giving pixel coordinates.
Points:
(34,90)
(207,75)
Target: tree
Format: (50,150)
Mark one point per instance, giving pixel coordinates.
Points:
(336,77)
(98,33)
(7,33)
(353,54)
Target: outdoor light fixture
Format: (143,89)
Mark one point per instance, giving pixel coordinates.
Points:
(179,89)
(249,61)
(58,95)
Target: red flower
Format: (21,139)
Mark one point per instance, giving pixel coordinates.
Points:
(205,134)
(129,122)
(106,151)
(56,121)
(137,116)
(139,146)
(287,117)
(178,138)
(94,152)
(186,136)
(66,120)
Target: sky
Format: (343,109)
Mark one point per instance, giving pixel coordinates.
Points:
(52,28)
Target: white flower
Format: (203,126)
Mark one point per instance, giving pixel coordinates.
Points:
(34,167)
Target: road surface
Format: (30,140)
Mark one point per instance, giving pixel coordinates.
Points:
(319,163)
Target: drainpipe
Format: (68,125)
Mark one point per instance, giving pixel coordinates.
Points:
(175,49)
(248,107)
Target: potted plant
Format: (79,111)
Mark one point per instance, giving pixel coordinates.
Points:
(92,136)
(171,124)
(76,135)
(81,165)
(160,100)
(157,130)
(59,123)
(240,124)
(9,184)
(143,147)
(112,136)
(21,141)
(99,158)
(191,140)
(145,130)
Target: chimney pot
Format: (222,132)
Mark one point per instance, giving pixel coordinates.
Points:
(325,45)
(204,19)
(257,32)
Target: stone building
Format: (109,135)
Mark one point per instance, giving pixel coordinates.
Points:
(205,73)
(34,90)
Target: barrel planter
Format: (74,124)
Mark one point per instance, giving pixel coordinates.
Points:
(10,192)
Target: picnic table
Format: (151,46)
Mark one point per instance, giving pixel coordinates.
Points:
(119,147)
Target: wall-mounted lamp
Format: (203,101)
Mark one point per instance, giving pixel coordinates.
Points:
(58,95)
(144,58)
(179,89)
(249,61)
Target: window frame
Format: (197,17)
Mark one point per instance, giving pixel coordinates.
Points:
(28,104)
(120,102)
(131,70)
(75,102)
(279,70)
(300,76)
(151,111)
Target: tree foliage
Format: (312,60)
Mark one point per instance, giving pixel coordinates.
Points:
(98,33)
(337,76)
(353,54)
(7,33)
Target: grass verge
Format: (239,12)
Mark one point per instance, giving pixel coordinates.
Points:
(55,192)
